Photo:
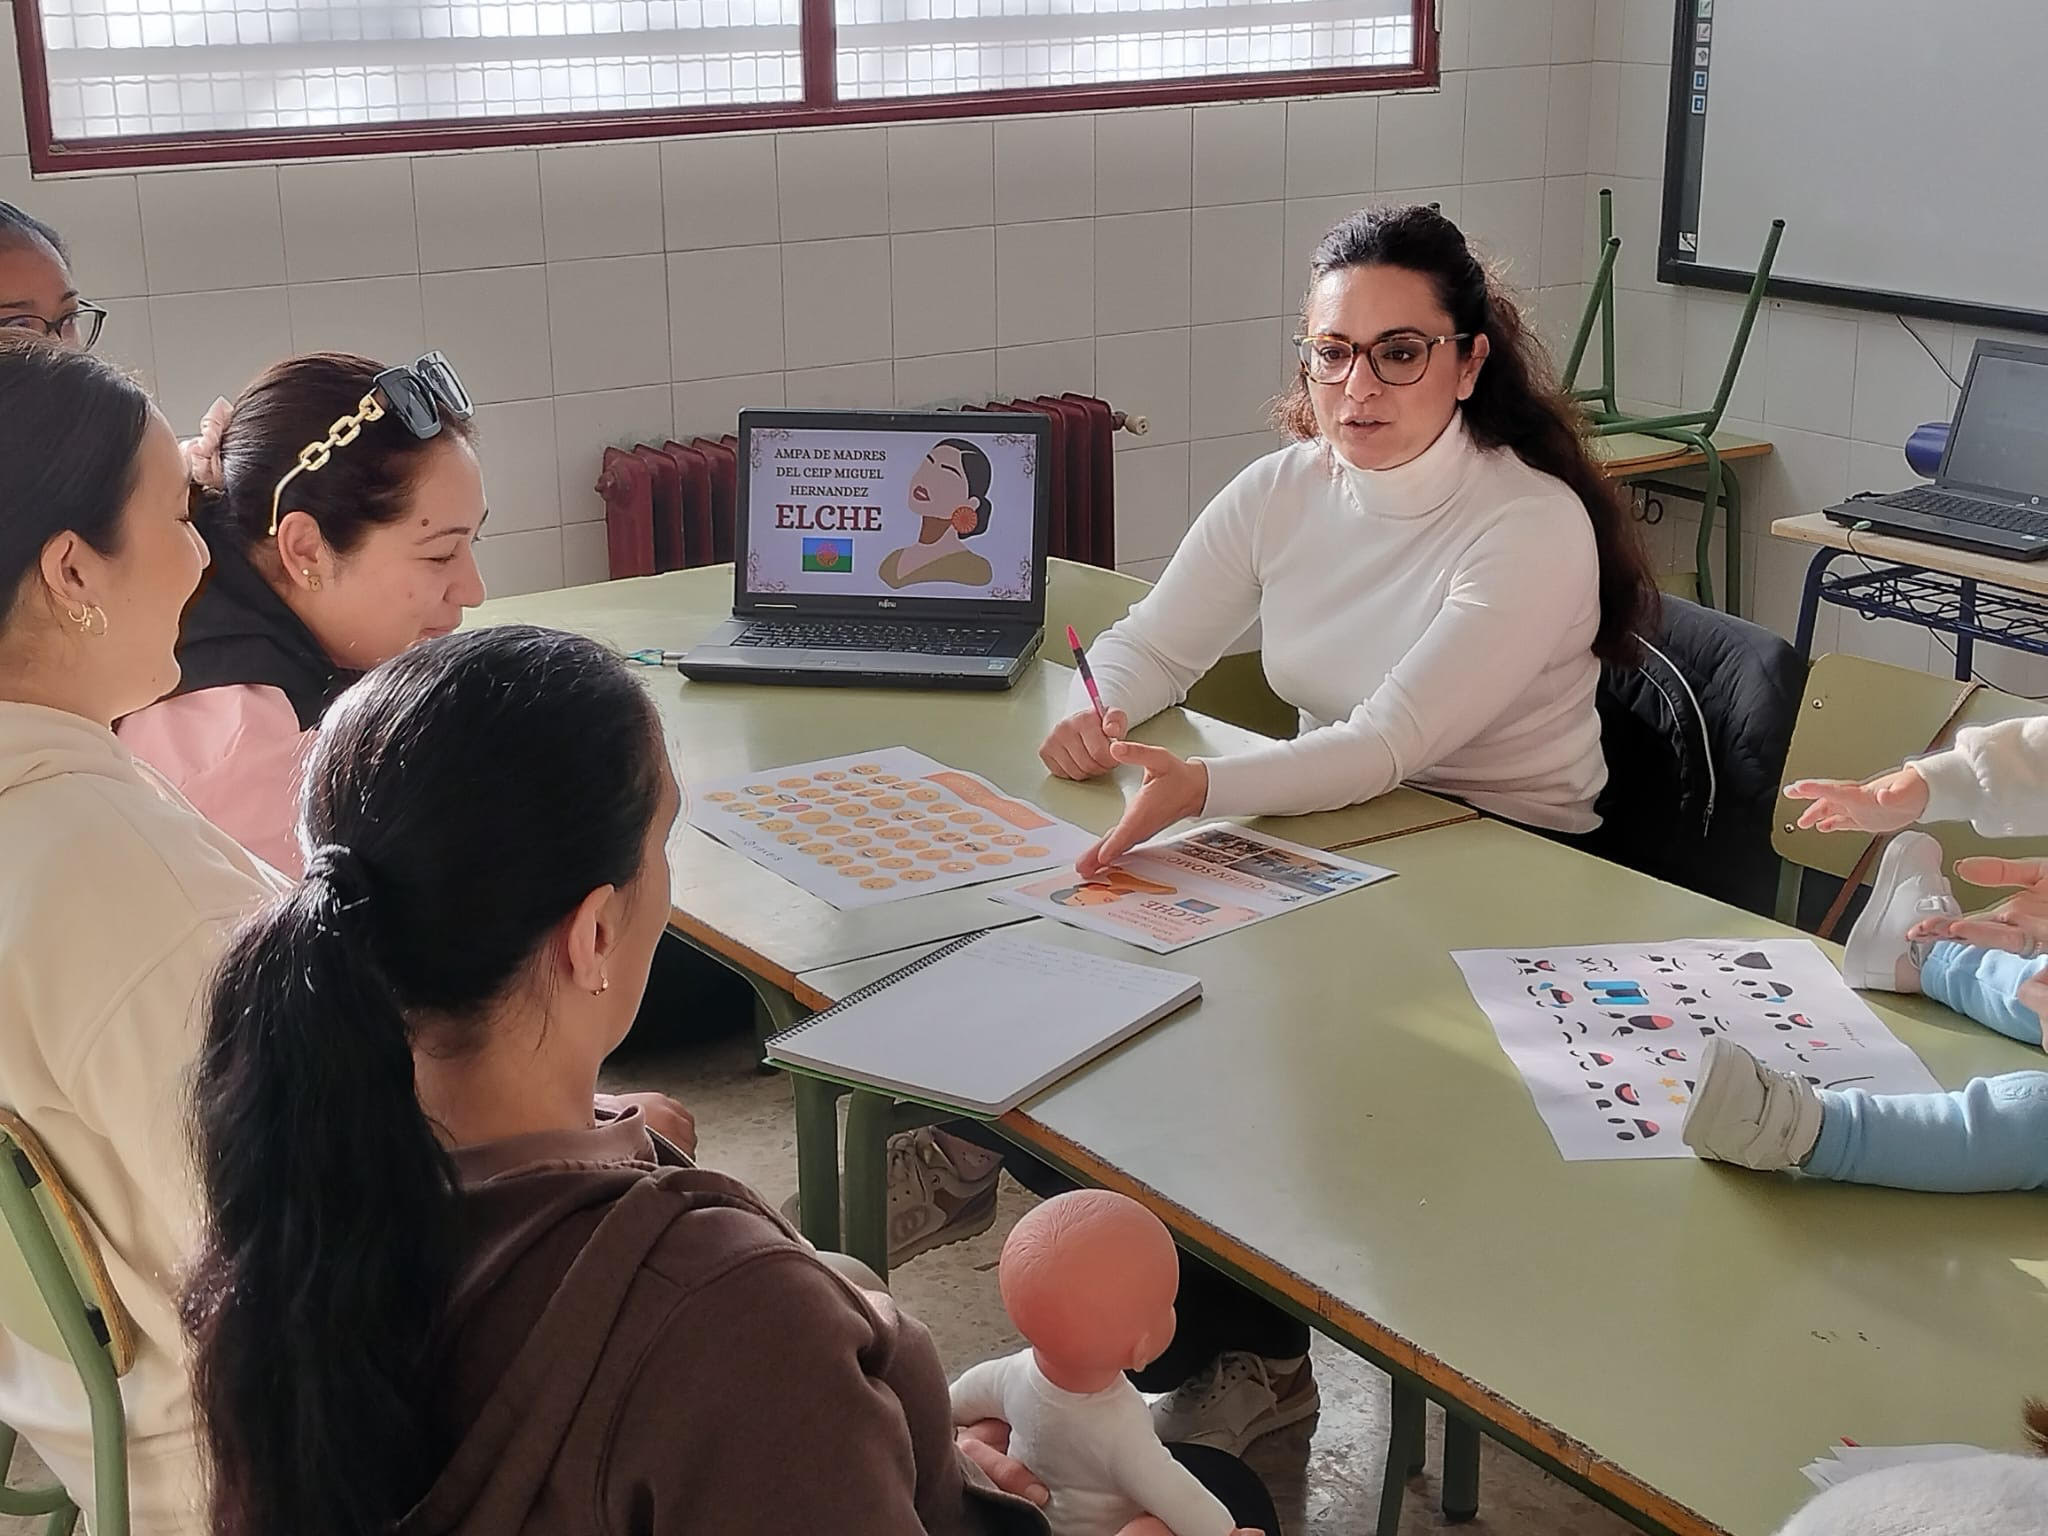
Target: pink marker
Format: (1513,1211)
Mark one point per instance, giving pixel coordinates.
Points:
(1087,677)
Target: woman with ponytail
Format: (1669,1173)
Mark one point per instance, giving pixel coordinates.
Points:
(1438,568)
(437,1294)
(115,895)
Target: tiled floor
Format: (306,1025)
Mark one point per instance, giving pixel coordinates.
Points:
(1325,1475)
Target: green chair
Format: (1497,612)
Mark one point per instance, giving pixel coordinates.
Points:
(1860,718)
(56,1296)
(1688,429)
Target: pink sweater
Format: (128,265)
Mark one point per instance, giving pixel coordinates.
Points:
(236,753)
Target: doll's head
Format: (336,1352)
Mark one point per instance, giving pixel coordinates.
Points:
(1089,1279)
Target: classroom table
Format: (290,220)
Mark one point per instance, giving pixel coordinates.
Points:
(1335,1123)
(773,930)
(1971,596)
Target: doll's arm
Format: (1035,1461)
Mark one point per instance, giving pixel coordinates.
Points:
(978,1395)
(1148,1475)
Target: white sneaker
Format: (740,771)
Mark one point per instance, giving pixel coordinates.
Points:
(941,1190)
(1909,887)
(1745,1112)
(1235,1401)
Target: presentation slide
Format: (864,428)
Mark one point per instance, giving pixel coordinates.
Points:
(880,513)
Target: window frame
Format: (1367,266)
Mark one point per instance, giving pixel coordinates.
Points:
(818,108)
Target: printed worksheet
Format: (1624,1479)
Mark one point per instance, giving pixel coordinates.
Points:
(879,826)
(1608,1036)
(1169,894)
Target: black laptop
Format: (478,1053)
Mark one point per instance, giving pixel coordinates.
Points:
(894,548)
(1991,494)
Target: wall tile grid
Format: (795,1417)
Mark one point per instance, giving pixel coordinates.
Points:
(611,293)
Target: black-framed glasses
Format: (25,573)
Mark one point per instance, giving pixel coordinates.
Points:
(81,328)
(1398,359)
(418,396)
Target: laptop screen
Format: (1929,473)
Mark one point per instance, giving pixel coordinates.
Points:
(2000,442)
(859,511)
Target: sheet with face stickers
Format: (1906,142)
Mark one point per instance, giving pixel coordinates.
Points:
(881,826)
(1608,1037)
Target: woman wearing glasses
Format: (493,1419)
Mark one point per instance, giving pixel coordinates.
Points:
(37,295)
(340,501)
(1438,570)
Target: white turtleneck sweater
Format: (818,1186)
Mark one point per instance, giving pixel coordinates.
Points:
(1433,623)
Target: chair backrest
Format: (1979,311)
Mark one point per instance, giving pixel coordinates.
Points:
(1860,718)
(1235,690)
(55,1293)
(1695,735)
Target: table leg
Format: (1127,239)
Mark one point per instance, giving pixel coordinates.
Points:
(869,1118)
(1406,1407)
(1461,1468)
(1809,602)
(1966,644)
(1731,520)
(817,1160)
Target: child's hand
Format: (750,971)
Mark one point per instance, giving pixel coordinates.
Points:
(2018,925)
(987,1445)
(1887,803)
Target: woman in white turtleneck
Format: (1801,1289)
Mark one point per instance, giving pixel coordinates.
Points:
(1437,568)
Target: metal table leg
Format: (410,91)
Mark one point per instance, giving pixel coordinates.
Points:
(1404,1451)
(870,1117)
(1461,1468)
(817,1159)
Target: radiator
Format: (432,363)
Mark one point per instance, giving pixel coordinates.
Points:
(673,507)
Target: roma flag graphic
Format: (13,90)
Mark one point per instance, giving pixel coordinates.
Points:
(831,556)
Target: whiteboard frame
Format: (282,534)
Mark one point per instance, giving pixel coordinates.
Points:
(1681,173)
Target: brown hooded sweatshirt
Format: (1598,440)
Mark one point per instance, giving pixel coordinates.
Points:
(637,1347)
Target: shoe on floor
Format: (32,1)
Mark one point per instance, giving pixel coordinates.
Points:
(1909,888)
(1747,1113)
(941,1190)
(1237,1399)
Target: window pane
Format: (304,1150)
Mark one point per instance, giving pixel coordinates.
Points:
(120,67)
(944,47)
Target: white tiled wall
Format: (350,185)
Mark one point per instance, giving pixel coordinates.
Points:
(1836,390)
(621,292)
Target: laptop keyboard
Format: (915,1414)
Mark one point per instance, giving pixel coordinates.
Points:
(1967,509)
(830,635)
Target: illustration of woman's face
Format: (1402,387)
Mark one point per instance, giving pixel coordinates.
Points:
(939,490)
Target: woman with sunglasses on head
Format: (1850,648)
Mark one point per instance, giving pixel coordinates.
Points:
(116,896)
(341,501)
(1438,570)
(37,294)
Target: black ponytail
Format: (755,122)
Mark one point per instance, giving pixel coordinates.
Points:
(460,802)
(979,474)
(1515,404)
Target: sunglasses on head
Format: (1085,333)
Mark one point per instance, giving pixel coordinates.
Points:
(419,397)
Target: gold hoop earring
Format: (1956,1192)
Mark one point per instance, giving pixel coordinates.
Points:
(90,618)
(312,578)
(604,985)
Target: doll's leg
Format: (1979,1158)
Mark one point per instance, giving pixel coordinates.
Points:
(1993,1134)
(1984,984)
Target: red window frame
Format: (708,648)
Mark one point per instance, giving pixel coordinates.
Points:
(818,108)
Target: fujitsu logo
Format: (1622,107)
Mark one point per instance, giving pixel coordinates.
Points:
(887,602)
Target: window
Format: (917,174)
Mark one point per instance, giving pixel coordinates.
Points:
(152,81)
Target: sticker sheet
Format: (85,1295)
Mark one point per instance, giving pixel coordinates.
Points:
(1169,894)
(880,826)
(1608,1036)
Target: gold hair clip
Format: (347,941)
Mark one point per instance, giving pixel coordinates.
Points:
(314,456)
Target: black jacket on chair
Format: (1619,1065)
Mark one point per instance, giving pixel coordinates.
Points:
(1695,737)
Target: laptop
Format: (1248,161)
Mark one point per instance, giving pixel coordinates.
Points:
(1991,494)
(892,548)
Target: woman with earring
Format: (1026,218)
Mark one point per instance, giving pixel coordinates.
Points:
(341,501)
(116,897)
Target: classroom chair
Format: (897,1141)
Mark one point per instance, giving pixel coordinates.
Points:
(1693,429)
(56,1296)
(1858,719)
(1695,735)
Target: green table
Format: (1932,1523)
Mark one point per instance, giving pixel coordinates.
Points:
(1335,1123)
(773,931)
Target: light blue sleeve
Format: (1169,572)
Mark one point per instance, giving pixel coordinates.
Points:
(1990,1135)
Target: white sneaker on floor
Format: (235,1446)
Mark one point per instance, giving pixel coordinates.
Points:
(1909,888)
(941,1190)
(1235,1401)
(1747,1113)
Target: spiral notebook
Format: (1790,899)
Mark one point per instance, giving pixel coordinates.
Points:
(984,1023)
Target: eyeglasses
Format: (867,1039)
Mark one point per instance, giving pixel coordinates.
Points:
(1402,359)
(418,396)
(81,328)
